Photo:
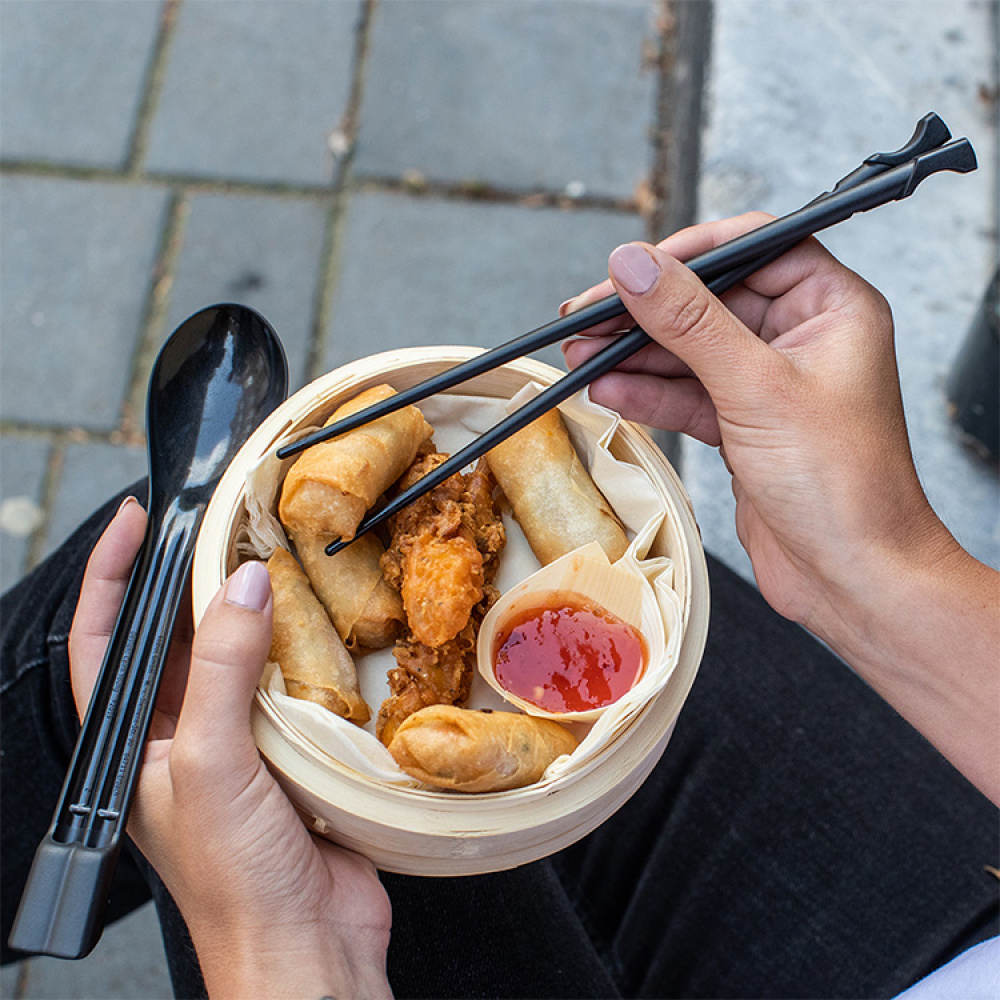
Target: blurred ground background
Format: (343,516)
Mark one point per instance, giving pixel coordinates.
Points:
(380,173)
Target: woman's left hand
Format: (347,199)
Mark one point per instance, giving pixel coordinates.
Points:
(273,911)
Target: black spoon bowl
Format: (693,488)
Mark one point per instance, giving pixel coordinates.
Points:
(221,372)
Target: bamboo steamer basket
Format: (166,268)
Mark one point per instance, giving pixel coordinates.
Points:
(423,832)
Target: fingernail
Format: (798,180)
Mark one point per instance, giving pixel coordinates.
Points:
(564,308)
(249,586)
(128,500)
(633,268)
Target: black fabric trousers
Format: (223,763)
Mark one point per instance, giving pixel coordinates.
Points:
(797,839)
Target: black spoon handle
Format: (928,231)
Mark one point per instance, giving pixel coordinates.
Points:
(62,908)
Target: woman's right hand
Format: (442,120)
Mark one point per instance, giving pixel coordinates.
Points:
(793,375)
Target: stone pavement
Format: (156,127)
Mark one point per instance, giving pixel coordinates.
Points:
(378,173)
(798,93)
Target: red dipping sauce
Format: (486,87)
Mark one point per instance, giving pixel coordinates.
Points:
(568,655)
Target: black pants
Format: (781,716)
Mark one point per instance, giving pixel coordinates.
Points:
(798,839)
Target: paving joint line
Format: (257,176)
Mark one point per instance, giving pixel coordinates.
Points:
(415,186)
(152,86)
(326,278)
(22,979)
(132,421)
(346,131)
(48,433)
(685,36)
(684,32)
(419,186)
(193,182)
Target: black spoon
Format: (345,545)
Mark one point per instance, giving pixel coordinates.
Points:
(221,372)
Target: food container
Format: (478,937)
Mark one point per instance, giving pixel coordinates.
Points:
(582,578)
(419,831)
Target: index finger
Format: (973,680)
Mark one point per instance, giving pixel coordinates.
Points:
(781,294)
(684,244)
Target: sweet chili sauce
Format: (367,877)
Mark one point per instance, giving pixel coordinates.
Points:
(565,654)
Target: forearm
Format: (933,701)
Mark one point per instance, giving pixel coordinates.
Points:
(924,630)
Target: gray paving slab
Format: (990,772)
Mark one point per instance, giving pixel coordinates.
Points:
(127,964)
(800,93)
(261,251)
(76,259)
(253,90)
(542,94)
(23,461)
(10,980)
(71,78)
(91,474)
(421,271)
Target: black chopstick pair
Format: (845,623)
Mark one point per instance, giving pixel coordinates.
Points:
(882,177)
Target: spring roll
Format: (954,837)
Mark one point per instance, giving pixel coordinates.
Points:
(313,661)
(554,500)
(465,750)
(331,485)
(364,609)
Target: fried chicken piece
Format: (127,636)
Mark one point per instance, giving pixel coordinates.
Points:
(428,676)
(443,556)
(442,545)
(482,518)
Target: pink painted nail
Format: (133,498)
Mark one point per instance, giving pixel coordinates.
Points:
(249,587)
(633,268)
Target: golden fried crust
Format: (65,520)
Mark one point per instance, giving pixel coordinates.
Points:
(443,556)
(462,750)
(424,676)
(442,582)
(482,519)
(443,546)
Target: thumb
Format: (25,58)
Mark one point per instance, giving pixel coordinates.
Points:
(227,658)
(674,307)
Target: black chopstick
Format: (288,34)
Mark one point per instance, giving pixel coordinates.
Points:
(720,268)
(930,133)
(528,343)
